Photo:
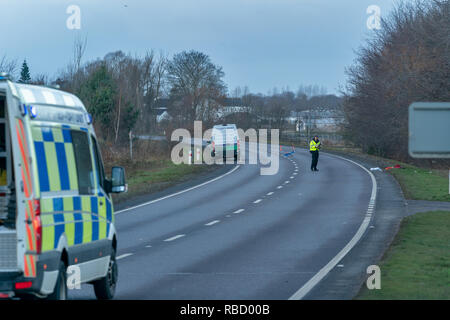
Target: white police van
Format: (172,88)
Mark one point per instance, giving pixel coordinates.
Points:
(225,141)
(56,211)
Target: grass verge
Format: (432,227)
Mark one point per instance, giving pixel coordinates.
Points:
(417,265)
(158,175)
(422,184)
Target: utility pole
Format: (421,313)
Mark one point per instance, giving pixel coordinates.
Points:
(130,134)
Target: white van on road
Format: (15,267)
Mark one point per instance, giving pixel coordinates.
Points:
(225,141)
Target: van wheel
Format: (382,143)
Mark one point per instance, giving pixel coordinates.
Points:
(60,292)
(106,287)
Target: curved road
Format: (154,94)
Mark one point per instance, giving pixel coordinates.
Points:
(243,236)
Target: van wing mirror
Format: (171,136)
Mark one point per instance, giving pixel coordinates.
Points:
(118,183)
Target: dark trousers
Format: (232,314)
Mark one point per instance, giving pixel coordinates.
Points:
(315,159)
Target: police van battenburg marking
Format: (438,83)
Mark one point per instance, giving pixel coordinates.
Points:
(55,201)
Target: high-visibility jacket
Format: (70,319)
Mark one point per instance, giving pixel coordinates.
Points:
(314,146)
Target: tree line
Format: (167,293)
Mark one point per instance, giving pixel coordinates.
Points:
(407,60)
(273,109)
(123,93)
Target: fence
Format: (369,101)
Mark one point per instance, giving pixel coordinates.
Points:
(303,138)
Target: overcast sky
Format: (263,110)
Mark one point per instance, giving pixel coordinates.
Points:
(259,43)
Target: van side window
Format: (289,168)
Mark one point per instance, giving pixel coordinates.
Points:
(4,148)
(99,164)
(83,161)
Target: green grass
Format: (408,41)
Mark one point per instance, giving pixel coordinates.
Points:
(417,266)
(159,175)
(422,184)
(167,173)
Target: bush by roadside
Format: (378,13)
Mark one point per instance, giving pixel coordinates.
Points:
(406,61)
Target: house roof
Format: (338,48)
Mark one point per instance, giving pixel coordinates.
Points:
(160,111)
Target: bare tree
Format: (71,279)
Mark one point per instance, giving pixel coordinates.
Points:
(40,79)
(79,48)
(153,81)
(196,85)
(8,66)
(237,92)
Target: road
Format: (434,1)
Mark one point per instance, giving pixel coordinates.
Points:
(244,235)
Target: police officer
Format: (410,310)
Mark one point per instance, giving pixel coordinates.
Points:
(314,147)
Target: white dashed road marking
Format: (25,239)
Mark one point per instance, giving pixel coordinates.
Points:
(239,211)
(124,256)
(175,237)
(308,286)
(257,201)
(212,223)
(179,192)
(270,193)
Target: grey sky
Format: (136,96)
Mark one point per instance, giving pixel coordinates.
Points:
(259,43)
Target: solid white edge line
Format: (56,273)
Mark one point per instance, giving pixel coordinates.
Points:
(124,256)
(308,286)
(179,192)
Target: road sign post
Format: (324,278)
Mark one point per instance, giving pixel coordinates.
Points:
(429,130)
